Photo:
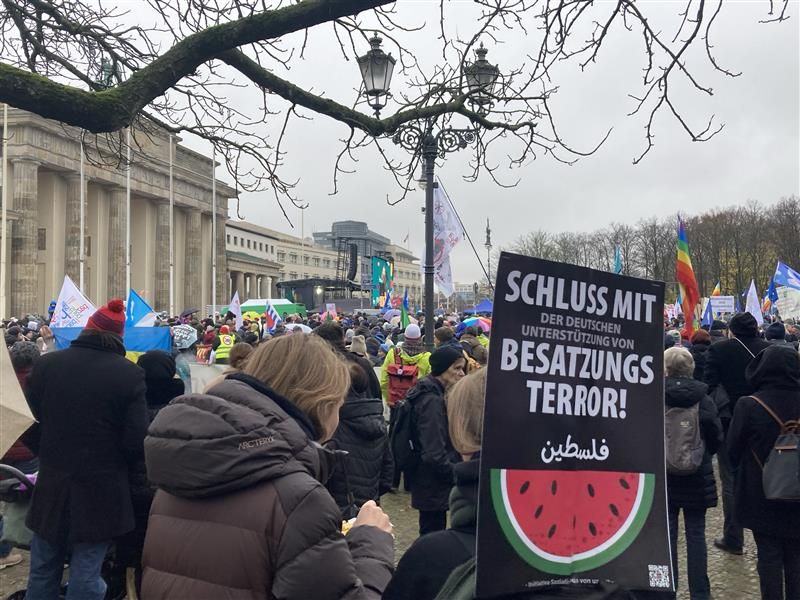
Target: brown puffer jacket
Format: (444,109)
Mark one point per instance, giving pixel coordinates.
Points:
(241,513)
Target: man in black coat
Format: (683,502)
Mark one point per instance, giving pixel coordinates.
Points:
(726,363)
(432,479)
(90,404)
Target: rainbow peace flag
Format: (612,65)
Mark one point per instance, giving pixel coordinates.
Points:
(687,283)
(717,291)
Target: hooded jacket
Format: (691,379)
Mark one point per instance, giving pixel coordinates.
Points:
(369,465)
(699,489)
(433,476)
(421,360)
(775,377)
(425,567)
(241,513)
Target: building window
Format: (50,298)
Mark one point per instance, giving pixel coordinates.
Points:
(248,244)
(293,259)
(41,242)
(235,241)
(281,256)
(229,238)
(316,262)
(88,249)
(327,263)
(305,260)
(292,275)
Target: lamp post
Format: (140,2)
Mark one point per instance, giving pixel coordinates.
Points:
(422,139)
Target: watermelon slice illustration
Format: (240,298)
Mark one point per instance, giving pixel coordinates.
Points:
(565,522)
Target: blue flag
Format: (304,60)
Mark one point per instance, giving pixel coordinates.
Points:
(617,260)
(137,310)
(388,302)
(772,293)
(785,275)
(738,307)
(405,299)
(708,318)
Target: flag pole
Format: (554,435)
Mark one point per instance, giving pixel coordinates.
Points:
(4,225)
(171,227)
(82,246)
(128,214)
(213,232)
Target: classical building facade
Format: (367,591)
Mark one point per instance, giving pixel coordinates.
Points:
(259,258)
(44,228)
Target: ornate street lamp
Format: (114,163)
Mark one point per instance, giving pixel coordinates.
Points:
(481,77)
(376,71)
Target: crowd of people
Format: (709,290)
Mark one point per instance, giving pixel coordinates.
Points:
(269,480)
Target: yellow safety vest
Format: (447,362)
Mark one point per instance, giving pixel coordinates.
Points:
(225,344)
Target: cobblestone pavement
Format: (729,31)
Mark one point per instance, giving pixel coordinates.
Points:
(732,577)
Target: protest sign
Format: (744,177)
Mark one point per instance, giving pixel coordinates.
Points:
(723,304)
(572,487)
(788,302)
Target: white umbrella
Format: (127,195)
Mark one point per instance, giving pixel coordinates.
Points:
(15,416)
(395,321)
(184,336)
(291,327)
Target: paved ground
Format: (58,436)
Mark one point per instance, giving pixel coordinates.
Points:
(732,577)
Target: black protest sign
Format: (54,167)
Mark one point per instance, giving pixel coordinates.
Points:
(572,488)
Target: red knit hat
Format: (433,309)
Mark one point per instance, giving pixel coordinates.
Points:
(110,317)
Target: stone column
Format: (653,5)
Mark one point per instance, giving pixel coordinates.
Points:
(72,254)
(238,284)
(194,257)
(24,237)
(162,257)
(117,218)
(222,264)
(261,281)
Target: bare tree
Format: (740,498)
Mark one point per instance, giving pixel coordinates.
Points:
(95,67)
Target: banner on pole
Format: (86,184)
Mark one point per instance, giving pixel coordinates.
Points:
(723,304)
(236,308)
(72,309)
(788,302)
(573,482)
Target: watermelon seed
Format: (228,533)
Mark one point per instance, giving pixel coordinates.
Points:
(538,512)
(614,509)
(524,487)
(592,528)
(552,531)
(553,487)
(591,490)
(624,484)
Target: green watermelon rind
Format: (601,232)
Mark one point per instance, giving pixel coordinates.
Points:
(585,564)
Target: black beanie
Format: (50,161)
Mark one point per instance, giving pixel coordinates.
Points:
(744,325)
(443,358)
(776,331)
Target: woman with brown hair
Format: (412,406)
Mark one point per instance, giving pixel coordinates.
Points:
(241,509)
(426,566)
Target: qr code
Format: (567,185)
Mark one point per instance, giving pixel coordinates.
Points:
(659,576)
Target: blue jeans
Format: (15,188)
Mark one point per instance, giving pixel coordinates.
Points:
(5,547)
(47,566)
(694,521)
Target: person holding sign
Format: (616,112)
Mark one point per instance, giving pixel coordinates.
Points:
(433,477)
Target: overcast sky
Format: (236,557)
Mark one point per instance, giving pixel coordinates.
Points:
(756,156)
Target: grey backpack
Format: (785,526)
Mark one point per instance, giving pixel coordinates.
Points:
(684,445)
(780,476)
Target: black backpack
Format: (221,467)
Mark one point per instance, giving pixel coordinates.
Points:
(403,437)
(779,473)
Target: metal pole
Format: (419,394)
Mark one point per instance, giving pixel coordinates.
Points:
(171,240)
(213,233)
(82,250)
(128,213)
(429,155)
(4,225)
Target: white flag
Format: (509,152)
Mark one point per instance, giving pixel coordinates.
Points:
(753,305)
(444,278)
(236,309)
(72,308)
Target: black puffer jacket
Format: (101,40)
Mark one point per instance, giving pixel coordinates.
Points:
(433,477)
(698,490)
(775,377)
(363,435)
(241,513)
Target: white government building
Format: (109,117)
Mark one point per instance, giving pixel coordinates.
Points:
(42,244)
